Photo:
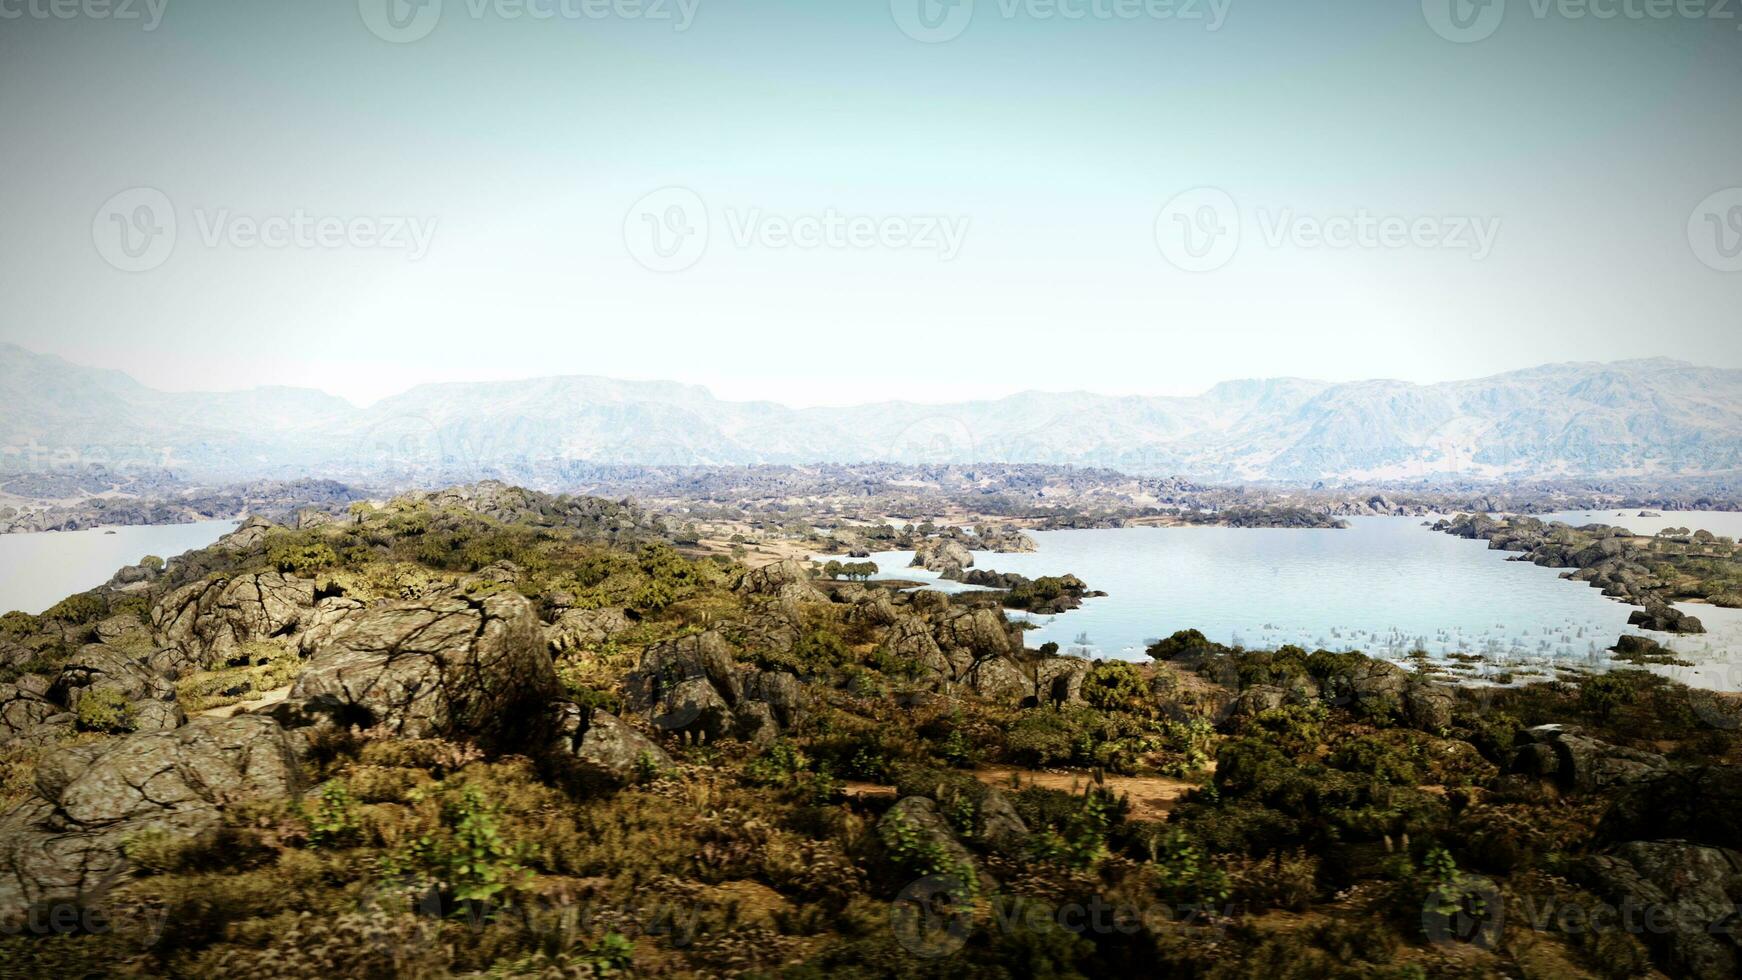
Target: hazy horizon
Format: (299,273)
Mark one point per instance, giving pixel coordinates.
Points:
(710,388)
(838,205)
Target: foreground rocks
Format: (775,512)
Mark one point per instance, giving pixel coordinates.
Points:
(446,665)
(65,844)
(599,745)
(1690,894)
(211,620)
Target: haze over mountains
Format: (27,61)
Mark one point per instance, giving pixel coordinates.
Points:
(1632,418)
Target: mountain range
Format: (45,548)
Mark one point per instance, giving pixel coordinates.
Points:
(1641,418)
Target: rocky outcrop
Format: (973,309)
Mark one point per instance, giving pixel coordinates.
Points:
(579,628)
(944,555)
(913,825)
(785,580)
(693,686)
(598,745)
(1665,618)
(213,618)
(150,698)
(443,666)
(65,844)
(1683,897)
(26,714)
(1582,764)
(909,640)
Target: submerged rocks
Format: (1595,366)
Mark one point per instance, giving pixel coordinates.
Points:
(1665,618)
(441,666)
(66,843)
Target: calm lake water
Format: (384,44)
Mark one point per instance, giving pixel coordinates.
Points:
(1385,585)
(39,570)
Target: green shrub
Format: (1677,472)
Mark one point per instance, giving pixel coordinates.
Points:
(103,709)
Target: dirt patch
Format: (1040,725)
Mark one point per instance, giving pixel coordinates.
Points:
(1151,796)
(269,698)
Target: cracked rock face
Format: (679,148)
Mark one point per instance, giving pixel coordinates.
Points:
(149,695)
(1693,890)
(211,620)
(694,685)
(65,844)
(27,714)
(445,665)
(601,745)
(787,580)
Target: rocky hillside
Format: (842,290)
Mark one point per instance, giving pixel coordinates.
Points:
(489,732)
(1652,418)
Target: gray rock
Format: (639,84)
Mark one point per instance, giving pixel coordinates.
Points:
(65,845)
(999,826)
(1685,897)
(601,745)
(788,580)
(212,619)
(1583,764)
(577,628)
(150,696)
(445,665)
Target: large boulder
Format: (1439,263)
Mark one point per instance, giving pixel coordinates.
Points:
(785,580)
(26,714)
(1658,615)
(213,618)
(578,628)
(693,685)
(1685,896)
(150,698)
(65,844)
(946,556)
(597,744)
(1583,764)
(442,666)
(909,640)
(914,825)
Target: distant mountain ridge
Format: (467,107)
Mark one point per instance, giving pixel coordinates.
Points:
(1640,418)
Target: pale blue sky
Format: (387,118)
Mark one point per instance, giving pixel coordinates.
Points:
(1586,146)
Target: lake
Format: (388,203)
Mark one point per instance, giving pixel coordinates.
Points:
(40,569)
(1384,585)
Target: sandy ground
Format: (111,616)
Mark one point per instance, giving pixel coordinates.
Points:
(269,698)
(1151,796)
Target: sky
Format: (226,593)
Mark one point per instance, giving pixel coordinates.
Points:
(828,203)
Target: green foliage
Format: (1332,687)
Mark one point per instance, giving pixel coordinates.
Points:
(1077,837)
(333,824)
(78,610)
(1183,873)
(1180,643)
(465,856)
(919,854)
(295,554)
(103,709)
(1115,685)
